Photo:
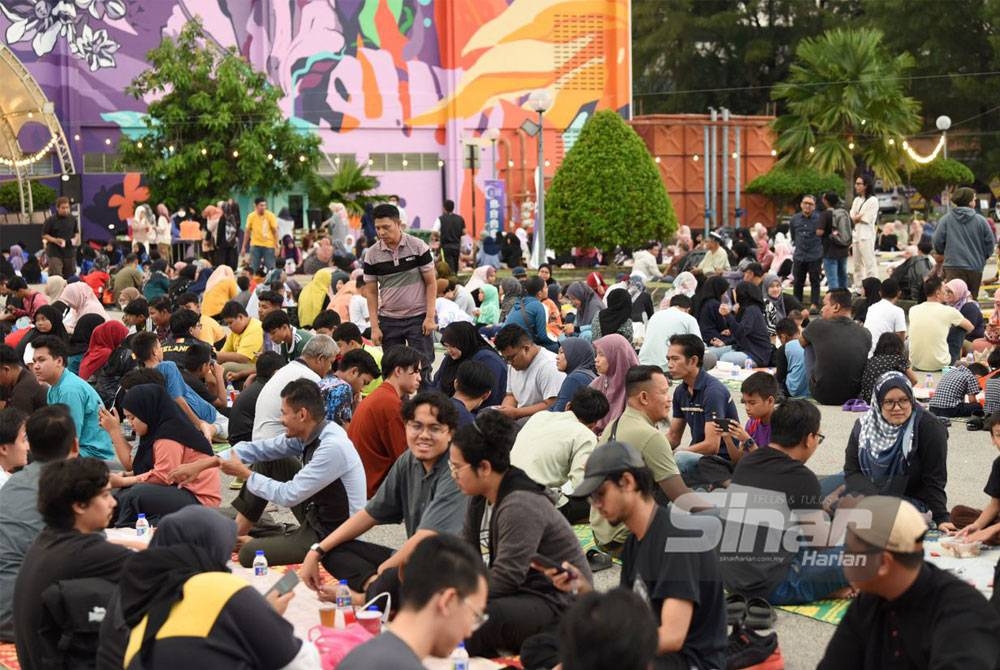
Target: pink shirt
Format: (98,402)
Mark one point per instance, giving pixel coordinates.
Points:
(167,455)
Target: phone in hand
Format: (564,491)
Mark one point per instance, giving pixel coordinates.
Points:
(285,584)
(723,424)
(546,563)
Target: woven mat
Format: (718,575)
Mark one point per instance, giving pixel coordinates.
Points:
(827,611)
(586,537)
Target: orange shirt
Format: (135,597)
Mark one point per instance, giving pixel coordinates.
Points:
(378,434)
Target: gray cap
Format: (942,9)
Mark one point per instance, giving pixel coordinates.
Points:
(608,459)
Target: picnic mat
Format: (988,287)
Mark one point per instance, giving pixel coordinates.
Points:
(587,542)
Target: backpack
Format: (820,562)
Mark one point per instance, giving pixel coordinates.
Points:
(74,611)
(842,226)
(107,380)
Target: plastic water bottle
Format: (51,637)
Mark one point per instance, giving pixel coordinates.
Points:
(460,658)
(970,358)
(259,564)
(749,364)
(230,394)
(289,267)
(929,381)
(344,605)
(127,431)
(141,526)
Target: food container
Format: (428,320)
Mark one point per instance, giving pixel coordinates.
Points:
(957,548)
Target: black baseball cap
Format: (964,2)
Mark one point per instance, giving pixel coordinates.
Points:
(609,458)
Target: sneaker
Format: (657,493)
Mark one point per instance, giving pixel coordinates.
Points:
(747,649)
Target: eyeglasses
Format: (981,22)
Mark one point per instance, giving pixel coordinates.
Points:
(512,357)
(435,429)
(455,469)
(480,617)
(896,404)
(819,438)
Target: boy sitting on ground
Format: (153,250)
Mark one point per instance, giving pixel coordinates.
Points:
(790,359)
(971,524)
(956,393)
(760,395)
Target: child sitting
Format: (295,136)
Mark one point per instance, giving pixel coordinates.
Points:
(791,360)
(889,355)
(972,524)
(760,394)
(955,395)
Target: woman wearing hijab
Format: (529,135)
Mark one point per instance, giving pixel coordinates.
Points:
(48,321)
(79,341)
(183,577)
(991,331)
(779,305)
(315,297)
(614,358)
(510,290)
(81,300)
(714,330)
(167,439)
(510,251)
(899,449)
(489,306)
(748,324)
(684,284)
(286,224)
(462,342)
(957,292)
(16,257)
(290,252)
(106,337)
(642,302)
(220,288)
(615,318)
(597,283)
(586,303)
(489,251)
(32,271)
(484,274)
(342,296)
(576,359)
(871,287)
(127,295)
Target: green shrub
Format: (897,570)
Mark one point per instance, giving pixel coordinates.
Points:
(42,196)
(783,185)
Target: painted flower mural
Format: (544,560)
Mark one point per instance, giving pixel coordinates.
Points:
(43,23)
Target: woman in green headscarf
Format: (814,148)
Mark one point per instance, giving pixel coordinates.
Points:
(489,308)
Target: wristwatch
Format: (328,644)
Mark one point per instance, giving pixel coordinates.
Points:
(318,549)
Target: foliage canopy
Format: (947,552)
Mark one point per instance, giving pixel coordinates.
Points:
(783,185)
(350,185)
(939,174)
(42,197)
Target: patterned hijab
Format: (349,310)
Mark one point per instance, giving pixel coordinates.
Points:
(883,448)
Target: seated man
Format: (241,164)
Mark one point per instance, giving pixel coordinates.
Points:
(326,323)
(474,383)
(444,597)
(241,415)
(286,339)
(184,329)
(377,427)
(682,588)
(355,370)
(348,337)
(608,630)
(930,323)
(323,489)
(839,347)
(778,471)
(553,447)
(135,315)
(51,437)
(675,320)
(13,442)
(159,315)
(245,341)
(74,498)
(77,395)
(211,332)
(314,364)
(419,491)
(910,613)
(521,523)
(955,395)
(533,380)
(698,399)
(204,375)
(18,386)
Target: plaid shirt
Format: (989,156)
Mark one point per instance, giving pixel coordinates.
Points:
(954,386)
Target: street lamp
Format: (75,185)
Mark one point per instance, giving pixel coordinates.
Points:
(493,134)
(540,101)
(943,123)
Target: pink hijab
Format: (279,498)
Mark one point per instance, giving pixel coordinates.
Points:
(960,291)
(81,299)
(621,357)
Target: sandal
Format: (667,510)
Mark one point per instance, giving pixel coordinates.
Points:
(760,614)
(855,405)
(736,609)
(598,560)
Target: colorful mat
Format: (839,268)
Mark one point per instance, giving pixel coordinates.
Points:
(8,656)
(587,542)
(827,611)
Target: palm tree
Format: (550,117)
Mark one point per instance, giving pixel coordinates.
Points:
(844,104)
(350,184)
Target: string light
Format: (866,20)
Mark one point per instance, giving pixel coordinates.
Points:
(657,159)
(107,141)
(510,164)
(696,158)
(405,162)
(138,144)
(302,159)
(76,138)
(547,163)
(441,163)
(236,154)
(774,152)
(923,160)
(812,150)
(850,145)
(31,158)
(735,155)
(204,151)
(892,142)
(171,148)
(270,157)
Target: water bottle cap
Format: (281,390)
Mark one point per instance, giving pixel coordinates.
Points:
(141,515)
(372,608)
(343,581)
(259,552)
(461,645)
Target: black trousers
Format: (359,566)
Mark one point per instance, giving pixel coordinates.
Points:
(153,500)
(451,255)
(960,410)
(513,619)
(409,332)
(227,256)
(576,510)
(799,270)
(356,561)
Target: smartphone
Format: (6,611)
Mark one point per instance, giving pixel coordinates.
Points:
(285,584)
(547,563)
(723,424)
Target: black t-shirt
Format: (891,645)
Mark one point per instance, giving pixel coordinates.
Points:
(775,482)
(63,227)
(56,556)
(176,349)
(243,411)
(841,352)
(657,573)
(993,483)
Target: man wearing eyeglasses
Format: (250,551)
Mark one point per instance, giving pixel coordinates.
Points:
(419,491)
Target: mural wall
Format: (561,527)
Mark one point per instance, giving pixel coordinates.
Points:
(369,76)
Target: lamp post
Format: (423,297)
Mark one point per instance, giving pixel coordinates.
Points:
(943,123)
(540,101)
(493,134)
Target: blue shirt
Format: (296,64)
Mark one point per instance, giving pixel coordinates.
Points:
(178,388)
(710,400)
(808,245)
(83,403)
(797,382)
(530,314)
(465,417)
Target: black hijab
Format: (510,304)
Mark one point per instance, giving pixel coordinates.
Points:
(748,295)
(151,404)
(713,289)
(79,341)
(618,311)
(463,336)
(55,317)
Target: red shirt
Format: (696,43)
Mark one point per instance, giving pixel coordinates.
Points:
(378,434)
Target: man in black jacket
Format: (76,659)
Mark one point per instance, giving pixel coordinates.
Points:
(452,230)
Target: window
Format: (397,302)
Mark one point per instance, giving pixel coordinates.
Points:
(415,162)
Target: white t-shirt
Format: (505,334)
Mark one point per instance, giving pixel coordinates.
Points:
(4,476)
(540,381)
(884,317)
(358,311)
(267,411)
(929,325)
(661,327)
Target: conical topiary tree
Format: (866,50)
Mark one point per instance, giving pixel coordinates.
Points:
(607,191)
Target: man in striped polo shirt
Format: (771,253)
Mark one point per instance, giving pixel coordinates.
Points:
(400,286)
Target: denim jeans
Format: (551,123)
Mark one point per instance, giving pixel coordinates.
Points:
(261,256)
(812,575)
(836,272)
(737,358)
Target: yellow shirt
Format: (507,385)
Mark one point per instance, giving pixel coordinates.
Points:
(211,330)
(249,342)
(263,230)
(216,297)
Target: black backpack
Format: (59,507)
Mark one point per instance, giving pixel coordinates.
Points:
(73,611)
(842,226)
(108,380)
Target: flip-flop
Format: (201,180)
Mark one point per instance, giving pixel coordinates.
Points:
(855,405)
(598,560)
(736,609)
(760,614)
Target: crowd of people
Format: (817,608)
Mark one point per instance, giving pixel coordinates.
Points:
(551,407)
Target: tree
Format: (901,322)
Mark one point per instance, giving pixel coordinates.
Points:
(349,185)
(215,128)
(783,185)
(42,196)
(940,174)
(842,103)
(608,191)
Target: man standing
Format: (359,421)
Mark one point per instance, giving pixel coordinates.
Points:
(533,380)
(910,614)
(58,232)
(808,254)
(930,322)
(452,230)
(18,386)
(840,349)
(401,288)
(716,261)
(964,240)
(262,236)
(864,214)
(835,247)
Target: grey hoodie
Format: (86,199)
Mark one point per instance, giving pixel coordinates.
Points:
(965,239)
